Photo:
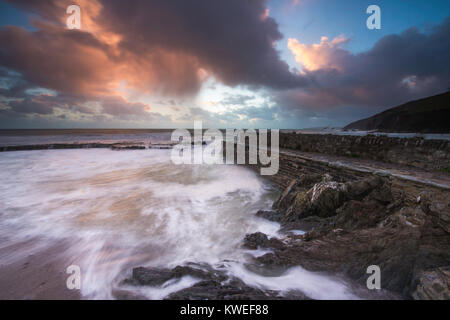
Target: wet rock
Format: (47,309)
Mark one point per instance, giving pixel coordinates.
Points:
(439,211)
(303,183)
(350,253)
(260,240)
(365,222)
(232,290)
(127,295)
(305,224)
(351,226)
(255,240)
(360,214)
(433,285)
(270,215)
(213,285)
(127,147)
(285,198)
(325,197)
(151,276)
(199,271)
(377,187)
(321,200)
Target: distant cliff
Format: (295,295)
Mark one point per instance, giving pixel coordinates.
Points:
(428,115)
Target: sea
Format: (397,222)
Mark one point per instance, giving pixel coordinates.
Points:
(108,212)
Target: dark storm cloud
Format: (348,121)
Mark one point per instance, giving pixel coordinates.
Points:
(46,104)
(32,105)
(63,61)
(231,38)
(118,106)
(396,69)
(169,40)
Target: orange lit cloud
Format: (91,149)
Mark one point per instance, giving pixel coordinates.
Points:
(324,55)
(150,46)
(265,15)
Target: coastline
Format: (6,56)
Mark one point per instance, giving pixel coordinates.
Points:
(354,212)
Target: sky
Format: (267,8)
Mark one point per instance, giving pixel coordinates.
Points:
(285,64)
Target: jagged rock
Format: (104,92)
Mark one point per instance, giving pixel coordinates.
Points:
(270,215)
(325,197)
(303,183)
(213,285)
(127,295)
(150,276)
(258,239)
(350,253)
(305,224)
(364,222)
(439,211)
(351,226)
(411,216)
(360,214)
(232,290)
(255,240)
(281,201)
(321,200)
(378,186)
(433,285)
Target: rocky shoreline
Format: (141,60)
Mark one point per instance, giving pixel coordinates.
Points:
(356,213)
(353,216)
(349,226)
(366,222)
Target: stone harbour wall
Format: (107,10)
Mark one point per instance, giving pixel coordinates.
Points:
(416,152)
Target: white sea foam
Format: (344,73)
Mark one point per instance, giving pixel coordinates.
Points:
(297,232)
(171,286)
(314,285)
(119,210)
